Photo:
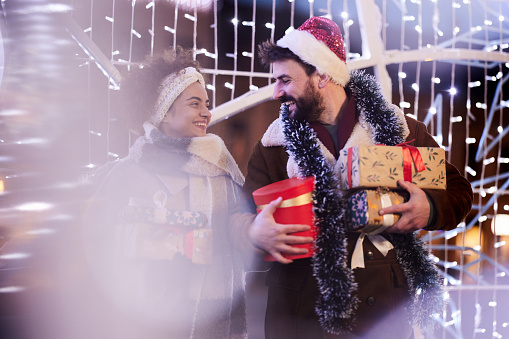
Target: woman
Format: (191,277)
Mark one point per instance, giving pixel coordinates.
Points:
(158,224)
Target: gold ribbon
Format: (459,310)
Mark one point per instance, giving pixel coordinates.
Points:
(300,200)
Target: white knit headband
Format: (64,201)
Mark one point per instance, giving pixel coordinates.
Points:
(171,87)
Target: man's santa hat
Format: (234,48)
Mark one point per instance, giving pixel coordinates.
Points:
(319,43)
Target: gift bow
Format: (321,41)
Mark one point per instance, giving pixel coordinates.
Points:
(411,153)
(381,244)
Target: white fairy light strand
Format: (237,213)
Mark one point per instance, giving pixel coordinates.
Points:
(272,32)
(253,48)
(133,4)
(216,59)
(418,68)
(235,47)
(402,48)
(495,207)
(152,30)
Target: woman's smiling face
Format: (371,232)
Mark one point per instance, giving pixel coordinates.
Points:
(189,115)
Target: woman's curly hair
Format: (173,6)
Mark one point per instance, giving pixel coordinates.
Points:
(139,88)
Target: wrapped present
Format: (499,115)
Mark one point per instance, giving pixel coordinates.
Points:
(296,208)
(383,166)
(362,210)
(163,216)
(160,234)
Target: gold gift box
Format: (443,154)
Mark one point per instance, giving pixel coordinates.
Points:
(375,166)
(362,209)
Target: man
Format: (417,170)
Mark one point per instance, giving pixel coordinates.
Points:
(325,109)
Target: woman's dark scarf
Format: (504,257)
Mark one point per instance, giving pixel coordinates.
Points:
(150,150)
(337,303)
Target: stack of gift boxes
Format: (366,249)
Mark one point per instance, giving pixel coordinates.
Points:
(157,233)
(369,176)
(369,179)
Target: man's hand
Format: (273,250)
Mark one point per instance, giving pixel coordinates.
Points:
(275,238)
(414,213)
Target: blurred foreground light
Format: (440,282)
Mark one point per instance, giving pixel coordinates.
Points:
(33,141)
(46,8)
(500,224)
(11,289)
(4,158)
(12,256)
(41,231)
(11,112)
(34,207)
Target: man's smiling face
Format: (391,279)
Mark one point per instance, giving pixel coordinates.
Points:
(295,88)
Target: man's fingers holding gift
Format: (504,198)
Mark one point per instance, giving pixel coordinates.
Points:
(394,209)
(406,185)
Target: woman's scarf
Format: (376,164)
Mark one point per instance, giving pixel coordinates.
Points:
(204,156)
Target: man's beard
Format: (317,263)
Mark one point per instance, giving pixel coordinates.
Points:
(308,107)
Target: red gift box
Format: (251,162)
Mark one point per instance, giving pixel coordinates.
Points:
(296,208)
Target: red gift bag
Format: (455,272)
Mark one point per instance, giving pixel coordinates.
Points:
(296,208)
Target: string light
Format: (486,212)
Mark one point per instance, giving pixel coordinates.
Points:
(190,17)
(470,171)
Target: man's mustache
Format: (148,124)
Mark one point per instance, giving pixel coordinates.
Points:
(287,98)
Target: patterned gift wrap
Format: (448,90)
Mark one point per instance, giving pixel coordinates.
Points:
(160,234)
(163,216)
(363,206)
(383,166)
